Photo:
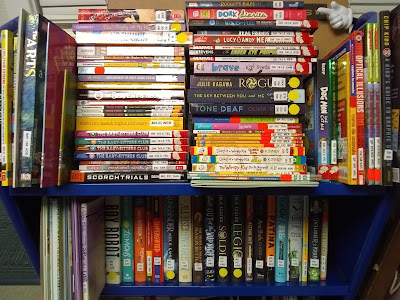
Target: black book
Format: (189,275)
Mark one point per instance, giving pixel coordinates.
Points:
(237,238)
(260,209)
(314,240)
(209,240)
(223,241)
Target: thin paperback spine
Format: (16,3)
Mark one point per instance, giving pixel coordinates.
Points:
(112,213)
(209,240)
(139,218)
(304,262)
(84,241)
(198,239)
(281,258)
(185,239)
(295,237)
(249,239)
(170,240)
(324,238)
(237,238)
(260,237)
(223,239)
(271,239)
(127,239)
(333,117)
(315,220)
(247,4)
(133,134)
(128,27)
(158,273)
(128,51)
(149,240)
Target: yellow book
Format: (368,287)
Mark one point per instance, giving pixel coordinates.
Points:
(7,75)
(347,118)
(128,123)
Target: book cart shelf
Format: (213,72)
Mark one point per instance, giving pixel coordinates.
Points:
(357,218)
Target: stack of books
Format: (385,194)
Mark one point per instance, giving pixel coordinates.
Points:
(246,115)
(131,96)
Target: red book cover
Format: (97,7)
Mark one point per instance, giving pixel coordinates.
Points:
(61,55)
(158,269)
(254,14)
(149,240)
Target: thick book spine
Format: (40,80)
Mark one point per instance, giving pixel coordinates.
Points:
(249,239)
(139,227)
(158,273)
(127,239)
(170,240)
(271,239)
(149,240)
(324,238)
(260,237)
(112,213)
(237,238)
(185,239)
(304,262)
(209,240)
(144,156)
(314,237)
(223,239)
(333,118)
(385,73)
(198,239)
(281,259)
(295,237)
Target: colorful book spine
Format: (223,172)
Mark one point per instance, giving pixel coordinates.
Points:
(171,250)
(271,239)
(131,78)
(198,239)
(139,227)
(237,238)
(260,237)
(223,241)
(185,239)
(333,117)
(149,240)
(133,141)
(247,4)
(133,148)
(133,134)
(251,58)
(95,51)
(261,38)
(237,119)
(215,159)
(127,239)
(295,237)
(131,156)
(284,151)
(84,245)
(249,239)
(281,257)
(127,177)
(324,238)
(128,27)
(304,262)
(158,269)
(258,14)
(385,73)
(7,45)
(112,213)
(129,71)
(210,240)
(314,237)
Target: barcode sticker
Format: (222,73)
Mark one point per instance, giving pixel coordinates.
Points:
(162,27)
(278,15)
(271,261)
(388,155)
(323,263)
(354,167)
(170,264)
(378,153)
(361,164)
(324,152)
(210,262)
(198,267)
(314,263)
(281,263)
(161,15)
(280,96)
(278,82)
(277,4)
(237,262)
(157,261)
(184,265)
(140,267)
(281,109)
(259,264)
(127,262)
(333,152)
(288,23)
(249,268)
(223,261)
(161,123)
(294,262)
(149,265)
(170,176)
(26,145)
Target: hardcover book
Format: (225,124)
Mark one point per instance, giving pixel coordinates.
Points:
(112,214)
(209,240)
(198,239)
(158,269)
(249,239)
(185,239)
(170,234)
(139,227)
(223,239)
(295,237)
(281,257)
(271,239)
(260,237)
(237,238)
(314,237)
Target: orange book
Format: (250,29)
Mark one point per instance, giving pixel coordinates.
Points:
(149,240)
(270,246)
(139,227)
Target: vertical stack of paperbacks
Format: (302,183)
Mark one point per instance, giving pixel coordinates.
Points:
(131,96)
(37,85)
(247,92)
(184,239)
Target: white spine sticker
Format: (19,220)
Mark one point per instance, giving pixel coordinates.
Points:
(314,263)
(26,144)
(198,267)
(223,261)
(170,264)
(271,261)
(237,262)
(259,264)
(281,109)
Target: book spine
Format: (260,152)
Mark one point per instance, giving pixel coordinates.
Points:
(315,220)
(185,239)
(112,213)
(237,238)
(385,73)
(271,239)
(129,104)
(273,169)
(133,85)
(129,71)
(131,156)
(84,241)
(304,264)
(246,151)
(127,51)
(247,126)
(324,238)
(295,238)
(281,258)
(209,240)
(131,78)
(248,159)
(260,238)
(133,148)
(236,119)
(139,226)
(231,39)
(133,141)
(133,134)
(281,68)
(7,93)
(158,273)
(249,239)
(128,27)
(171,272)
(252,58)
(223,239)
(127,239)
(248,4)
(198,239)
(246,14)
(333,118)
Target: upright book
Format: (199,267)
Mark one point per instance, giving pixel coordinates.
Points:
(198,239)
(158,270)
(295,237)
(271,239)
(139,227)
(314,237)
(185,239)
(209,240)
(237,238)
(281,259)
(249,239)
(260,236)
(223,239)
(170,241)
(112,217)
(127,245)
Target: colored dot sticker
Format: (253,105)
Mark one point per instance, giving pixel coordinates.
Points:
(294,82)
(126,224)
(294,109)
(112,276)
(182,38)
(223,272)
(99,70)
(170,274)
(176,27)
(237,273)
(293,95)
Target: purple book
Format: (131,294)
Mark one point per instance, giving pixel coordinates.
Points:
(76,249)
(128,27)
(61,55)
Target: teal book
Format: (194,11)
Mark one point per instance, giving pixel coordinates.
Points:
(127,239)
(281,257)
(32,100)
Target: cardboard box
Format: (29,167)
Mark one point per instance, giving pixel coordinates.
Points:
(325,38)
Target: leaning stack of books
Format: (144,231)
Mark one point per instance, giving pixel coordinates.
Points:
(131,96)
(245,115)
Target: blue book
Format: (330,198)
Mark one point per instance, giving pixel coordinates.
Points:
(281,258)
(127,239)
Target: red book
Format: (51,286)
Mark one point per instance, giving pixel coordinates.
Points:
(149,240)
(158,273)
